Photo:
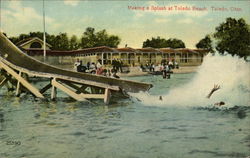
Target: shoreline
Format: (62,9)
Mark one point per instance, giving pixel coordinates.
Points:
(135,71)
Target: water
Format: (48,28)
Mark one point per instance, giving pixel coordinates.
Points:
(180,126)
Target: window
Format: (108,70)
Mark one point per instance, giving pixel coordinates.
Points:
(36,45)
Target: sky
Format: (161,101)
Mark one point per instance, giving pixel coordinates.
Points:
(133,21)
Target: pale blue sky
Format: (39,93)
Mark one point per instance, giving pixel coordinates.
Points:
(132,26)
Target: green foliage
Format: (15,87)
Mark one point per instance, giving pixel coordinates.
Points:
(163,43)
(91,38)
(5,34)
(73,43)
(205,43)
(63,42)
(233,37)
(175,43)
(155,43)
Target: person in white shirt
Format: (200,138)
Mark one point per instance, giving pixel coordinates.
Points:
(170,63)
(92,68)
(76,64)
(176,65)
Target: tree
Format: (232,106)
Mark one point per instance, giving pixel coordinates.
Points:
(205,43)
(61,42)
(5,34)
(19,38)
(163,43)
(157,42)
(38,34)
(175,43)
(14,39)
(91,38)
(233,37)
(113,41)
(25,36)
(73,43)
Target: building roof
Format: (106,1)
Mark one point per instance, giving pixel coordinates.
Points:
(204,51)
(148,49)
(167,50)
(126,49)
(94,50)
(185,50)
(50,52)
(29,40)
(70,53)
(113,50)
(24,40)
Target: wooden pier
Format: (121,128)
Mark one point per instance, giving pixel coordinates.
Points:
(16,67)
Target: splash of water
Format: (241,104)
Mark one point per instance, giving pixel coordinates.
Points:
(230,72)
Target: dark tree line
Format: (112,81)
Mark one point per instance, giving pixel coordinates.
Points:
(102,38)
(232,36)
(159,42)
(205,43)
(62,41)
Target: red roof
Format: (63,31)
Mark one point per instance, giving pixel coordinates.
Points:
(69,53)
(94,50)
(204,51)
(126,49)
(148,50)
(112,50)
(185,50)
(167,50)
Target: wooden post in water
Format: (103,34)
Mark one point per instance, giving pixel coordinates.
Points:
(107,96)
(19,78)
(66,90)
(53,92)
(3,82)
(18,85)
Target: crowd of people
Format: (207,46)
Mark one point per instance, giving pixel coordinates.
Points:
(117,65)
(165,68)
(95,68)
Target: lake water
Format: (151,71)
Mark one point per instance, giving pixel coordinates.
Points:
(139,127)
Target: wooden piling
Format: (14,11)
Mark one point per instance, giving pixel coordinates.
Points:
(107,96)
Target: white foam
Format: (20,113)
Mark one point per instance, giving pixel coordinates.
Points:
(230,72)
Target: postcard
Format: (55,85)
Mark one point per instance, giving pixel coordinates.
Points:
(124,79)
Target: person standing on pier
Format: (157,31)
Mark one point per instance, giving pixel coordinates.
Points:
(92,68)
(114,75)
(99,67)
(166,71)
(76,64)
(170,64)
(120,64)
(88,65)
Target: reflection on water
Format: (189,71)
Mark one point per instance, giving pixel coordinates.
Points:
(125,129)
(1,120)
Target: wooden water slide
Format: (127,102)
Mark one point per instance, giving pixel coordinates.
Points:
(15,66)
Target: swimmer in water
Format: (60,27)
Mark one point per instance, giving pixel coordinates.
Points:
(219,103)
(216,87)
(160,98)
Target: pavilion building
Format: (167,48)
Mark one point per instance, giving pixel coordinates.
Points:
(128,56)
